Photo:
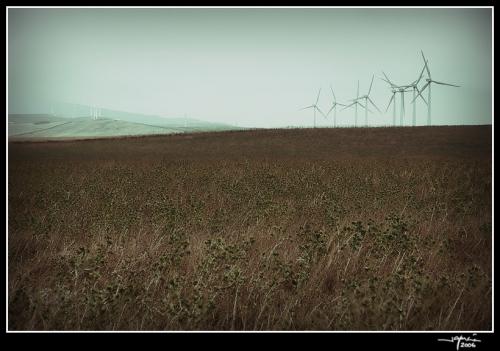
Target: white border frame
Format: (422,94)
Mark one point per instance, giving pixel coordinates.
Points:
(254,7)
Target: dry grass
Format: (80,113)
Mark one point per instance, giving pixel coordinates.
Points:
(349,229)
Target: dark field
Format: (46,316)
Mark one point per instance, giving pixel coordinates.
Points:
(327,229)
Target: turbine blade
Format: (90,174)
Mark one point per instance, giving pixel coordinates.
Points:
(330,110)
(349,105)
(420,93)
(427,68)
(385,75)
(422,97)
(319,92)
(385,80)
(334,98)
(451,85)
(365,107)
(420,76)
(357,93)
(422,55)
(373,76)
(390,101)
(388,80)
(317,108)
(304,108)
(374,105)
(425,87)
(426,64)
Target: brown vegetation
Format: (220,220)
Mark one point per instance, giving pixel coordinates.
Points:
(327,229)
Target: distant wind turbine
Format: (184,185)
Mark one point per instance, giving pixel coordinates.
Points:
(355,104)
(428,84)
(400,89)
(94,112)
(334,108)
(315,108)
(414,86)
(367,99)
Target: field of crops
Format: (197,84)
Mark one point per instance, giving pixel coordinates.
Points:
(326,229)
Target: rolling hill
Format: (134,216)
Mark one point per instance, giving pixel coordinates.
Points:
(116,123)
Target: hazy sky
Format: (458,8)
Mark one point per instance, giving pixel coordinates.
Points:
(253,67)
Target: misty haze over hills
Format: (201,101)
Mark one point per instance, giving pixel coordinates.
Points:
(75,121)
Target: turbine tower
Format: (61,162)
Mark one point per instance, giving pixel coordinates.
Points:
(315,108)
(402,90)
(428,84)
(355,104)
(334,108)
(367,99)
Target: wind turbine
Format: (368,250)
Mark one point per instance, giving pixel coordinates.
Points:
(414,86)
(428,84)
(314,107)
(334,108)
(367,99)
(355,104)
(94,112)
(402,89)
